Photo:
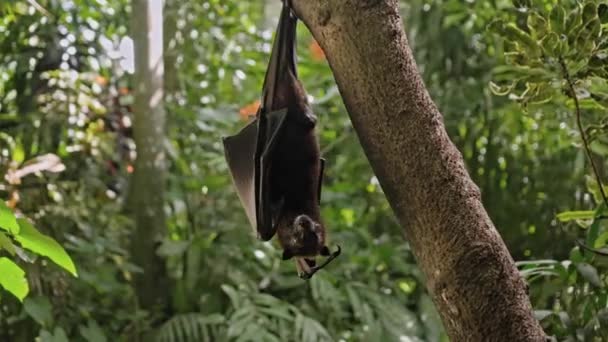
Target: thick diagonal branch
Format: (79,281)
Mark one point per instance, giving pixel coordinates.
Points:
(470,274)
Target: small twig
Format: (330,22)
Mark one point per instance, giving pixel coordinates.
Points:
(38,7)
(582,131)
(581,243)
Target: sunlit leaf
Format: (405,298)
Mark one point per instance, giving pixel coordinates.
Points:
(30,238)
(6,244)
(576,215)
(8,221)
(13,278)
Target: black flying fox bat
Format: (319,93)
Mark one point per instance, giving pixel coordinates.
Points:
(275,160)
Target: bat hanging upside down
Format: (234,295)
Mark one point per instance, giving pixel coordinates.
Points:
(276,163)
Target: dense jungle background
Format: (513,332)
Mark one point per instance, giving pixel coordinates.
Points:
(507,76)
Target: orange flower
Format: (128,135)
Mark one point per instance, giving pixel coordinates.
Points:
(102,81)
(123,90)
(316,51)
(130,169)
(249,110)
(13,200)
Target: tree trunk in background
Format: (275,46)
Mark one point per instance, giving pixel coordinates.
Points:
(146,195)
(170,51)
(469,271)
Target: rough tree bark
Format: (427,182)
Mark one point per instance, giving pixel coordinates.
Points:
(470,273)
(146,194)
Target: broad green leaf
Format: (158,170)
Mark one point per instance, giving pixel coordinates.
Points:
(32,239)
(589,273)
(8,221)
(13,278)
(172,248)
(6,244)
(40,309)
(576,215)
(58,335)
(92,332)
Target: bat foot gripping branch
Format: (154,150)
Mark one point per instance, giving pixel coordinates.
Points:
(313,270)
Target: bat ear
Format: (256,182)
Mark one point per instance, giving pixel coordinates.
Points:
(325,251)
(287,254)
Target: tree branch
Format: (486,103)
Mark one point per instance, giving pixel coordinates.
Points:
(470,275)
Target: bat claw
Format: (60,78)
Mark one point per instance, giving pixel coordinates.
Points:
(305,275)
(313,270)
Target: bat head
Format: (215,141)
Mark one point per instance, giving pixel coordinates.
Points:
(306,237)
(306,228)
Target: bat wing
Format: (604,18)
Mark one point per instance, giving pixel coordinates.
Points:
(268,208)
(240,150)
(250,152)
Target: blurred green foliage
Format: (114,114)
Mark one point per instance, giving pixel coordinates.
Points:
(555,61)
(65,90)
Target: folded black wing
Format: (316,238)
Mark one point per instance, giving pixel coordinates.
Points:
(249,153)
(239,151)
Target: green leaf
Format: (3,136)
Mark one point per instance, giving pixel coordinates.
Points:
(92,332)
(40,309)
(501,90)
(497,26)
(172,248)
(6,244)
(589,273)
(39,243)
(601,241)
(513,33)
(594,229)
(575,255)
(602,13)
(8,221)
(18,153)
(576,215)
(537,24)
(551,44)
(589,12)
(58,335)
(574,22)
(557,19)
(13,278)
